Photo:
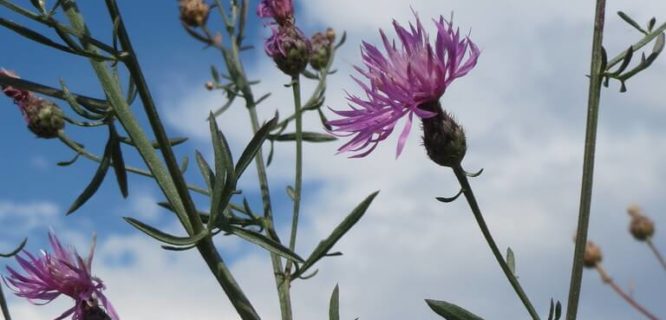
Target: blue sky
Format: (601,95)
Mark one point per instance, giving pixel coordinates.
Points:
(523,108)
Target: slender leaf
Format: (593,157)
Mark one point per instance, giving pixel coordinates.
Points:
(173,141)
(307,136)
(551,310)
(324,246)
(451,311)
(184,164)
(225,178)
(511,260)
(15,251)
(215,74)
(558,310)
(254,146)
(206,172)
(264,242)
(291,193)
(96,181)
(117,161)
(334,306)
(165,237)
(630,21)
(69,162)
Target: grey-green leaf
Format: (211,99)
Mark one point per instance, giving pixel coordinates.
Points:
(96,181)
(254,146)
(15,251)
(450,311)
(264,242)
(307,136)
(117,161)
(334,306)
(324,246)
(511,260)
(163,236)
(206,171)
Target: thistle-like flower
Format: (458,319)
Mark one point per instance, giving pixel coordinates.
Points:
(44,118)
(402,82)
(282,11)
(62,271)
(289,48)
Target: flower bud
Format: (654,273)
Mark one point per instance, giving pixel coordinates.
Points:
(44,118)
(641,227)
(322,44)
(443,138)
(193,13)
(289,49)
(94,313)
(592,255)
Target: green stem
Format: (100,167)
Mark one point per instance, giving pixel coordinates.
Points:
(471,200)
(298,179)
(594,97)
(647,39)
(656,252)
(171,182)
(3,305)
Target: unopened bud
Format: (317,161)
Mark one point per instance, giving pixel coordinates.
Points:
(210,85)
(592,255)
(443,138)
(641,227)
(44,118)
(289,49)
(322,44)
(95,313)
(193,13)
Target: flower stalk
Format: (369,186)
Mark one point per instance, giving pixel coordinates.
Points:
(594,97)
(298,176)
(474,206)
(625,296)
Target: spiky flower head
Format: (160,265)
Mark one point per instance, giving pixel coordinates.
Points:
(193,13)
(50,274)
(289,48)
(281,11)
(322,47)
(400,82)
(44,118)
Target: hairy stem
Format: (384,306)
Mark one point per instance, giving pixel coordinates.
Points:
(609,281)
(594,97)
(474,206)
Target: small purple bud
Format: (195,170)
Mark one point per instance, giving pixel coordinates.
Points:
(289,48)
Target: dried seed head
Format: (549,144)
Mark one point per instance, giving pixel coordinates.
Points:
(44,118)
(640,226)
(443,138)
(592,255)
(193,13)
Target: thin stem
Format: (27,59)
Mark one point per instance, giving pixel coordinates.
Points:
(656,252)
(608,280)
(474,206)
(594,97)
(298,179)
(3,305)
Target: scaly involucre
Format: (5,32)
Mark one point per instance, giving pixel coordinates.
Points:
(62,271)
(406,77)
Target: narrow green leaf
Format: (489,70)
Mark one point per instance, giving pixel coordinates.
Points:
(69,162)
(651,24)
(451,311)
(558,310)
(15,251)
(307,136)
(511,260)
(163,236)
(117,161)
(96,181)
(626,60)
(34,35)
(254,146)
(551,310)
(206,171)
(291,193)
(264,242)
(173,141)
(225,178)
(324,246)
(184,164)
(215,74)
(630,21)
(334,306)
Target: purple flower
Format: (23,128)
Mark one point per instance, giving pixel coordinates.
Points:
(63,271)
(402,80)
(282,11)
(289,48)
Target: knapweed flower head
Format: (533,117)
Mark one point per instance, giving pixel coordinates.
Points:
(322,47)
(44,118)
(193,13)
(289,48)
(401,81)
(281,11)
(50,274)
